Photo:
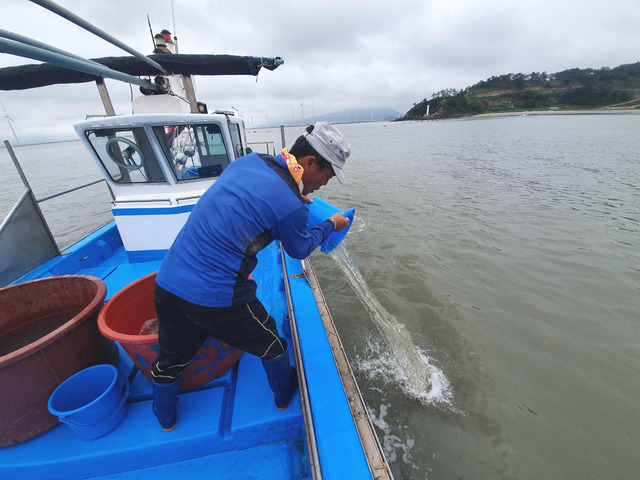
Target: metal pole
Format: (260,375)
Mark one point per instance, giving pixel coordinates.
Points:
(284,144)
(23,177)
(106,99)
(72,17)
(35,43)
(86,66)
(191,93)
(175,33)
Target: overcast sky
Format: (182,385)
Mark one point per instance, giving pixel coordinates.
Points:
(338,54)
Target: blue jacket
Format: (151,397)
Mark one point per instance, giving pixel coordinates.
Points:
(255,201)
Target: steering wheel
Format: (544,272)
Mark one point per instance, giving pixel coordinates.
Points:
(121,157)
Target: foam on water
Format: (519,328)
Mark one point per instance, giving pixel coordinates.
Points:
(392,443)
(405,363)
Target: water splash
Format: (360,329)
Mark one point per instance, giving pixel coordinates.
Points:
(377,362)
(417,377)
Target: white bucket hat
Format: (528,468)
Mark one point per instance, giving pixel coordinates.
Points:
(331,145)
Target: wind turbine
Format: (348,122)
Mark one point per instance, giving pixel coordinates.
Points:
(9,120)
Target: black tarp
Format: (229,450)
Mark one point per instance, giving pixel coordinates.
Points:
(31,76)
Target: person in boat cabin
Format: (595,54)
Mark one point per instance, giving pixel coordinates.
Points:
(204,287)
(202,107)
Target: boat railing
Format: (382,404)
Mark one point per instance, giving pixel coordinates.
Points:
(59,194)
(267,144)
(314,458)
(143,200)
(178,200)
(26,240)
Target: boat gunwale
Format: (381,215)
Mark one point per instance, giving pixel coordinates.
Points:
(371,446)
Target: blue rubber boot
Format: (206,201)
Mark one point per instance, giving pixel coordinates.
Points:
(282,378)
(165,399)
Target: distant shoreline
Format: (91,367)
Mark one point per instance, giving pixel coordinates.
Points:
(524,113)
(612,111)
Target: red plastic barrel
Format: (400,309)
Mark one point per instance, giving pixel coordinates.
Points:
(48,332)
(125,318)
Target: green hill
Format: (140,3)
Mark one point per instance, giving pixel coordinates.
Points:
(574,89)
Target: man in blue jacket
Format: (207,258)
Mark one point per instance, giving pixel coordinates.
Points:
(203,286)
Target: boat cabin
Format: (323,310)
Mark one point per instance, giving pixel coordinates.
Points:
(157,166)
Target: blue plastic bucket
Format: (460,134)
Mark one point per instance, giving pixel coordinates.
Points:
(91,402)
(319,211)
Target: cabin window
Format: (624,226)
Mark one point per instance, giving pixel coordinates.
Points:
(236,138)
(126,155)
(194,151)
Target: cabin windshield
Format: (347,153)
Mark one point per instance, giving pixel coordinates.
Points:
(194,151)
(127,155)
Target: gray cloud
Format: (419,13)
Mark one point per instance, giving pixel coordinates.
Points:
(338,54)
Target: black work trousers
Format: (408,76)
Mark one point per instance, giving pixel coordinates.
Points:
(184,326)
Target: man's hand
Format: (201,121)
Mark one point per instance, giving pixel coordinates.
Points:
(340,220)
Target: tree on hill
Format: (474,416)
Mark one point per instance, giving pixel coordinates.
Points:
(575,87)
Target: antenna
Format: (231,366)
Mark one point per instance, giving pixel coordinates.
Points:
(153,41)
(175,33)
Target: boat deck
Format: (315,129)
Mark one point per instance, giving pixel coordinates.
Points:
(228,428)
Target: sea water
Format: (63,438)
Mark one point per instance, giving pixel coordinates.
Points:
(509,250)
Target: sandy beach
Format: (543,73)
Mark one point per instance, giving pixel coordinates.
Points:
(603,111)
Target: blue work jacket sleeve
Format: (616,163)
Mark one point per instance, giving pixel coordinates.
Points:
(297,241)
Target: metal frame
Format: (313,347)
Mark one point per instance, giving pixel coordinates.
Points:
(29,192)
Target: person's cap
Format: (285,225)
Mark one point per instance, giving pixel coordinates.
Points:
(331,145)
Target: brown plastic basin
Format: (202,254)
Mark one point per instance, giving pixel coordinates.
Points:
(48,332)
